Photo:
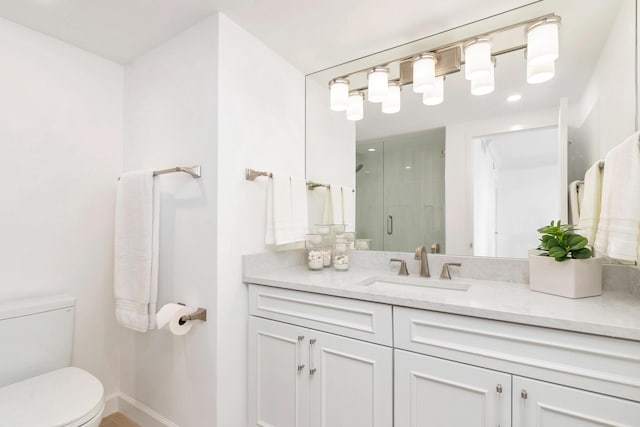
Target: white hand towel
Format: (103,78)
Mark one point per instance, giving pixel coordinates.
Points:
(349,208)
(590,207)
(619,226)
(287,210)
(136,251)
(337,212)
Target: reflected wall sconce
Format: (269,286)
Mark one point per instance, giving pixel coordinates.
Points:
(339,92)
(426,70)
(391,104)
(378,88)
(355,109)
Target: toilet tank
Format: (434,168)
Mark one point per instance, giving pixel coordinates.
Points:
(36,336)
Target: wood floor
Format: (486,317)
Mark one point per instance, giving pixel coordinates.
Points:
(117,420)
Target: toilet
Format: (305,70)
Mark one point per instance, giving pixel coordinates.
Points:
(38,388)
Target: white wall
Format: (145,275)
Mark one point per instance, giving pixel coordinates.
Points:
(171,118)
(261,117)
(606,113)
(196,99)
(61,151)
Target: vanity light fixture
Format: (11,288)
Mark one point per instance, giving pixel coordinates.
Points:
(339,94)
(424,72)
(392,103)
(378,78)
(542,39)
(435,94)
(484,83)
(540,71)
(477,58)
(355,109)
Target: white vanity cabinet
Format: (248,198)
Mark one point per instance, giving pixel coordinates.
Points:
(541,404)
(477,358)
(436,392)
(324,361)
(299,376)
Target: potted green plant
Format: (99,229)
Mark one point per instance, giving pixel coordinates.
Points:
(563,264)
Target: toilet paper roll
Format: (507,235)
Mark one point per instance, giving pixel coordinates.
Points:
(170,315)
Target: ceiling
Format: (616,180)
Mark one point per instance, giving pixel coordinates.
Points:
(311,35)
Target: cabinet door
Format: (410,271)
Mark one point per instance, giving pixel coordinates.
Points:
(351,382)
(540,404)
(436,392)
(278,381)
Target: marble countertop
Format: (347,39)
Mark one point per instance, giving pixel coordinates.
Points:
(614,313)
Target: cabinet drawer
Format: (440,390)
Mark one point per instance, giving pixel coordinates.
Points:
(367,321)
(605,365)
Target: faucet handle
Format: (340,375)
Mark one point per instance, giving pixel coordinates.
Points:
(445,269)
(403,266)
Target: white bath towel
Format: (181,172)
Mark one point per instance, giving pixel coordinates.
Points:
(618,231)
(287,211)
(349,208)
(575,193)
(136,251)
(590,208)
(337,207)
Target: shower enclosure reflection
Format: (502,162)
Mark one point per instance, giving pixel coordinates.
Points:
(400,190)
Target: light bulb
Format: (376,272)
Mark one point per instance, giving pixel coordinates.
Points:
(483,84)
(355,109)
(424,72)
(378,84)
(339,94)
(542,40)
(477,58)
(435,95)
(540,71)
(392,103)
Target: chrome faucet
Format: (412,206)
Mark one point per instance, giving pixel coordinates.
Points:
(421,254)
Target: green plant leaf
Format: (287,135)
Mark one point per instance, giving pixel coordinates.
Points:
(558,253)
(583,253)
(577,242)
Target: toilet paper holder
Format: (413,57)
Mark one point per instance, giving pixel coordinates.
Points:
(199,314)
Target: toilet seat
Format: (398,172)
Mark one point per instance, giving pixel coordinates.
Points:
(67,397)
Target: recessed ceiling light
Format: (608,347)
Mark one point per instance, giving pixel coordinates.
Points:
(514,97)
(371,149)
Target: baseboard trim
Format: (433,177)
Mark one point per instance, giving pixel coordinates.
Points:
(110,404)
(141,413)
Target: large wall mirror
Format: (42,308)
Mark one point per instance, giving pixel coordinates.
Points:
(478,174)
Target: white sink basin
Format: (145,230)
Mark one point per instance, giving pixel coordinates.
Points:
(441,285)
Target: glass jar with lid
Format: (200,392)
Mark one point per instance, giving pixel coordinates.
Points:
(341,255)
(316,250)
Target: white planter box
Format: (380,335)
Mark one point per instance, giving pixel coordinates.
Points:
(574,278)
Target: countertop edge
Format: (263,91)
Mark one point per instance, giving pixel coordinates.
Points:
(610,331)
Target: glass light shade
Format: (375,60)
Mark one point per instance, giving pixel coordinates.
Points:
(392,103)
(477,58)
(483,84)
(542,40)
(540,71)
(424,72)
(434,95)
(355,109)
(339,94)
(378,84)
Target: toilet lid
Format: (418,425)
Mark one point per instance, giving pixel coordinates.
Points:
(67,397)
